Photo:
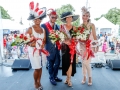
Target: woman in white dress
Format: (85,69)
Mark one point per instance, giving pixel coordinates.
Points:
(34,47)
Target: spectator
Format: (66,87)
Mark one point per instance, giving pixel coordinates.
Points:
(104,46)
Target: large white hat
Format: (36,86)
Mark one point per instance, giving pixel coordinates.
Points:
(36,12)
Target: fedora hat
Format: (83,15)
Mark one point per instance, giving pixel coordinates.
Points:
(68,14)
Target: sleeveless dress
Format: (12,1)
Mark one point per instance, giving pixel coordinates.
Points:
(36,58)
(66,57)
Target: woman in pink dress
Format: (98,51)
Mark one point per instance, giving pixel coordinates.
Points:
(104,46)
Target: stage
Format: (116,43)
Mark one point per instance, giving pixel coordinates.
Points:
(103,79)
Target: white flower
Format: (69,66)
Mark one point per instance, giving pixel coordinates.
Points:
(79,36)
(53,41)
(83,37)
(57,32)
(87,32)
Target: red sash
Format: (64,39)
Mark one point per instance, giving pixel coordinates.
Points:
(50,29)
(49,26)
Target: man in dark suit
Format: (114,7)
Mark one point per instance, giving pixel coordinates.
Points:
(54,58)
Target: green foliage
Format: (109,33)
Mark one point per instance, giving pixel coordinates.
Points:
(66,8)
(4,13)
(113,15)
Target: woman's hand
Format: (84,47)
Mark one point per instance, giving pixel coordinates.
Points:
(42,46)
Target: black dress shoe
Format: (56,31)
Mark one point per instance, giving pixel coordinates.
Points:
(58,79)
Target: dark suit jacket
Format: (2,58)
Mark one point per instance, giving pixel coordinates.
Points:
(50,47)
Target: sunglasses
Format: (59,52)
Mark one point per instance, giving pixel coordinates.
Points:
(54,17)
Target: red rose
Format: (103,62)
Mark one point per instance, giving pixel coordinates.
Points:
(56,36)
(82,30)
(15,35)
(25,38)
(79,28)
(21,36)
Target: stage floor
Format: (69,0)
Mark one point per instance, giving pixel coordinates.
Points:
(103,79)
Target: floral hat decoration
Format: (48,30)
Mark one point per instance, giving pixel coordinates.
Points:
(36,12)
(85,10)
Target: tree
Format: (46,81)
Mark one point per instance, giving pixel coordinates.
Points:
(4,13)
(65,8)
(113,15)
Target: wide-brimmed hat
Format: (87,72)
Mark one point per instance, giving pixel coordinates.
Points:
(68,14)
(36,12)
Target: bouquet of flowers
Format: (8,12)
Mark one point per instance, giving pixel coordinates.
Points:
(81,33)
(22,39)
(57,35)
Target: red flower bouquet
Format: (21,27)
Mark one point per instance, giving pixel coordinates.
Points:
(22,39)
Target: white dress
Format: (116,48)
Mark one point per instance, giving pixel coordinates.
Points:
(36,58)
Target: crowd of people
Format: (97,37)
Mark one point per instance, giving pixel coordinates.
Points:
(13,52)
(110,43)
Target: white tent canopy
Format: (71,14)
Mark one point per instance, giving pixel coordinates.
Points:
(104,23)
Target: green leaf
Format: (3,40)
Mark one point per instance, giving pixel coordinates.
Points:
(4,13)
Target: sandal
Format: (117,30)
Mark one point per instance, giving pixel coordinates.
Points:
(66,81)
(90,84)
(84,80)
(40,88)
(89,81)
(69,84)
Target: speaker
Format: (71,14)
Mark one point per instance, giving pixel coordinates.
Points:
(114,64)
(21,64)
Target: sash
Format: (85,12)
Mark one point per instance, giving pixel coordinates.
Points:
(41,50)
(50,29)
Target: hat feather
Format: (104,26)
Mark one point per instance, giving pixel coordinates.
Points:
(31,5)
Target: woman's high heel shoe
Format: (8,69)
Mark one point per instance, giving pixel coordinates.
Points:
(90,84)
(66,81)
(83,82)
(90,81)
(69,84)
(40,88)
